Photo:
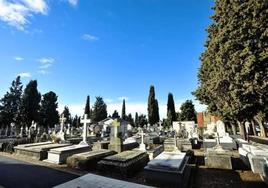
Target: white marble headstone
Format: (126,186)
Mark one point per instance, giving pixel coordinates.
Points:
(221,128)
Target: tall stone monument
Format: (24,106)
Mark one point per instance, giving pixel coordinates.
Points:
(115,141)
(85,121)
(61,134)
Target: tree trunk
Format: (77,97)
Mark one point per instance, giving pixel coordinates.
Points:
(233,128)
(263,132)
(253,127)
(242,130)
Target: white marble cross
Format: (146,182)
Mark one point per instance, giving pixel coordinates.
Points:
(85,121)
(142,145)
(62,121)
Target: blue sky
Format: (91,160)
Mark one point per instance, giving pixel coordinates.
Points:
(112,48)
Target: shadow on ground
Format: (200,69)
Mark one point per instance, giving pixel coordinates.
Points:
(16,174)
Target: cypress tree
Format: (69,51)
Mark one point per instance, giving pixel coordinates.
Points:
(49,116)
(124,110)
(153,111)
(87,107)
(136,119)
(171,107)
(30,103)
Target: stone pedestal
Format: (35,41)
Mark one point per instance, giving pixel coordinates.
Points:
(218,159)
(184,144)
(115,144)
(169,145)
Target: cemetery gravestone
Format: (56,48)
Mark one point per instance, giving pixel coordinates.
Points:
(115,142)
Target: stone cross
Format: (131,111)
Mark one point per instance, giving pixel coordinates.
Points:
(142,145)
(62,121)
(85,121)
(115,124)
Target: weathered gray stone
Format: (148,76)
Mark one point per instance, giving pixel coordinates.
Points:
(38,152)
(219,160)
(184,144)
(227,144)
(115,144)
(168,168)
(169,145)
(125,164)
(88,160)
(253,156)
(100,145)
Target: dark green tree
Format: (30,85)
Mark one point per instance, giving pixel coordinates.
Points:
(233,74)
(115,115)
(187,111)
(99,110)
(67,115)
(142,120)
(123,116)
(136,119)
(87,107)
(130,119)
(49,116)
(171,107)
(76,121)
(31,103)
(10,104)
(153,111)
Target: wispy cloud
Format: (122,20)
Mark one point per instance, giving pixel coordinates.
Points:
(16,13)
(42,72)
(25,75)
(45,64)
(46,60)
(89,37)
(17,58)
(73,2)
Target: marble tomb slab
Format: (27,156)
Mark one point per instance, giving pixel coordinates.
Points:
(38,152)
(88,160)
(168,168)
(60,155)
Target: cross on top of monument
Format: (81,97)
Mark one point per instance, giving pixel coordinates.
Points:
(85,120)
(62,119)
(116,123)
